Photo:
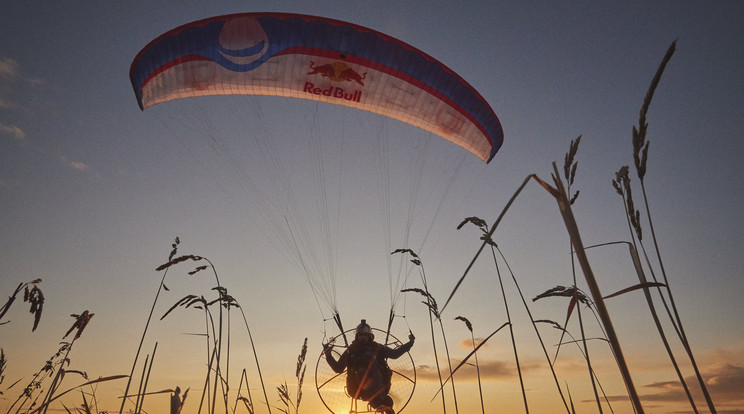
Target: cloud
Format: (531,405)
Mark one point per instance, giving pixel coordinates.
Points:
(722,370)
(4,103)
(17,90)
(12,130)
(723,381)
(467,344)
(9,67)
(490,370)
(75,165)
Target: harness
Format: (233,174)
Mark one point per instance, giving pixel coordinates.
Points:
(359,373)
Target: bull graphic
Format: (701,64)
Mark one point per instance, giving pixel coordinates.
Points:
(337,72)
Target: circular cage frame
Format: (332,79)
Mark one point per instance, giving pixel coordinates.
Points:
(326,377)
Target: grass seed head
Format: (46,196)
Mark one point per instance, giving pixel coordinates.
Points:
(467,322)
(81,321)
(569,166)
(477,221)
(36,298)
(178,260)
(563,291)
(640,145)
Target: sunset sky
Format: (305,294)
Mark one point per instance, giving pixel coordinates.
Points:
(93,192)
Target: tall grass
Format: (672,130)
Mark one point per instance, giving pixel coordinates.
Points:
(31,294)
(483,226)
(569,175)
(433,312)
(285,397)
(217,320)
(640,156)
(81,321)
(561,191)
(622,186)
(45,384)
(161,286)
(214,346)
(467,358)
(577,298)
(486,235)
(564,331)
(469,325)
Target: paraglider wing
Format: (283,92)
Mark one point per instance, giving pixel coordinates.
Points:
(318,59)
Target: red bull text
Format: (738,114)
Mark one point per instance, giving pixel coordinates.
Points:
(334,91)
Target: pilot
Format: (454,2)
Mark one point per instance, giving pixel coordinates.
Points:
(368,375)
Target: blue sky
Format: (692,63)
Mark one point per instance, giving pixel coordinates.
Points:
(93,190)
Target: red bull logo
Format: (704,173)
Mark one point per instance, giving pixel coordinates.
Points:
(336,72)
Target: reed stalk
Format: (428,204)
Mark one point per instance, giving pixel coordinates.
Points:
(621,183)
(577,297)
(199,302)
(585,344)
(475,355)
(537,331)
(465,360)
(432,306)
(218,346)
(255,355)
(147,377)
(174,249)
(141,385)
(564,331)
(511,331)
(449,361)
(486,237)
(80,387)
(39,377)
(285,397)
(569,174)
(81,321)
(215,337)
(247,401)
(640,158)
(436,356)
(559,192)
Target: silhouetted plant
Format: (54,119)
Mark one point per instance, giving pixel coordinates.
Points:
(246,400)
(42,389)
(33,390)
(431,304)
(283,390)
(161,286)
(569,174)
(31,294)
(621,183)
(475,355)
(218,333)
(486,234)
(570,165)
(467,358)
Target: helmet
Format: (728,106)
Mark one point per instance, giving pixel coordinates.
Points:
(363,328)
